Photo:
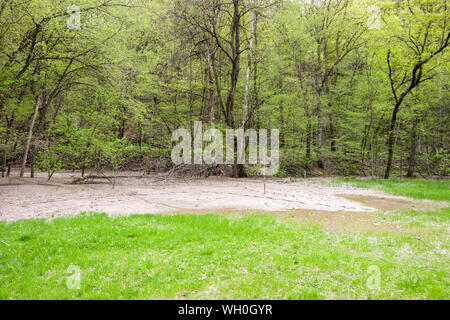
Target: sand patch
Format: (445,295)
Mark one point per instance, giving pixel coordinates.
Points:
(37,198)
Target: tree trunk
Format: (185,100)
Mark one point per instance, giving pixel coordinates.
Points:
(4,163)
(250,58)
(122,129)
(141,136)
(280,88)
(319,131)
(210,90)
(5,152)
(255,102)
(304,91)
(11,159)
(363,149)
(32,158)
(30,135)
(210,98)
(391,140)
(308,139)
(318,89)
(412,155)
(235,42)
(238,171)
(333,147)
(332,134)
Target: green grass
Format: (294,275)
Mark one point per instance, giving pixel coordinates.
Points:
(212,256)
(413,188)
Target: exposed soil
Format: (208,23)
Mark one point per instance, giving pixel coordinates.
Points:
(389,203)
(343,220)
(332,221)
(336,205)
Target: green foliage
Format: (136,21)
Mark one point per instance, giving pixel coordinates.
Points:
(50,159)
(115,89)
(113,154)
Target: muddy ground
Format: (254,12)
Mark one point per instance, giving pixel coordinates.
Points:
(37,198)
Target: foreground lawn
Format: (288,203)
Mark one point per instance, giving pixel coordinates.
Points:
(212,256)
(413,188)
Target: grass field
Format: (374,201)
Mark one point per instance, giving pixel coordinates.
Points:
(214,256)
(413,188)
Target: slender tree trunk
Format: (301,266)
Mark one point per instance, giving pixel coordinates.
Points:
(59,102)
(212,77)
(332,134)
(372,154)
(141,136)
(304,91)
(250,58)
(32,158)
(308,139)
(239,168)
(391,141)
(210,90)
(318,89)
(11,159)
(235,43)
(122,129)
(30,135)
(333,147)
(5,150)
(4,163)
(412,155)
(363,149)
(319,130)
(280,88)
(8,172)
(255,95)
(308,125)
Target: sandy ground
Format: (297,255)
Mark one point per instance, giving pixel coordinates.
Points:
(37,198)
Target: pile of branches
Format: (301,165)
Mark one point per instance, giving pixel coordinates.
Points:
(196,171)
(176,172)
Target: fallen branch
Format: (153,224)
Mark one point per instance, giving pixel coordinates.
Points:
(84,180)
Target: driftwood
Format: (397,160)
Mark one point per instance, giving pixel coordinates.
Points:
(90,179)
(177,172)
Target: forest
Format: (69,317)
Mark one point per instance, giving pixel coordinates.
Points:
(116,183)
(356,88)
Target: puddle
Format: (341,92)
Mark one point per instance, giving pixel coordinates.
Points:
(343,220)
(391,204)
(332,221)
